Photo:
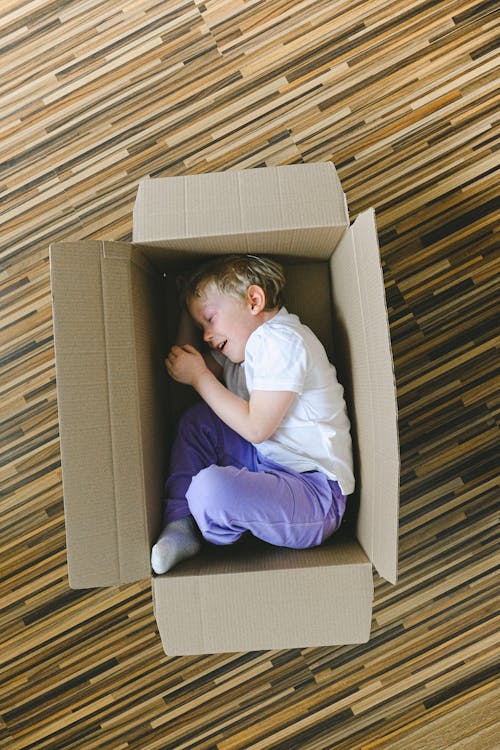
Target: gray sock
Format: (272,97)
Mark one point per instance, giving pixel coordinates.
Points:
(178,541)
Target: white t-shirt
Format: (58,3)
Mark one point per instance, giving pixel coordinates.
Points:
(285,355)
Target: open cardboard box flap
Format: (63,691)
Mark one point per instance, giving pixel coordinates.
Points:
(359,302)
(292,211)
(109,364)
(110,344)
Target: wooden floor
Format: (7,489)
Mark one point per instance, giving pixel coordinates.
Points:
(403,98)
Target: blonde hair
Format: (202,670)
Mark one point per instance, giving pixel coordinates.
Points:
(234,274)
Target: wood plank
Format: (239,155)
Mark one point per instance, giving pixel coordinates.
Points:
(403,98)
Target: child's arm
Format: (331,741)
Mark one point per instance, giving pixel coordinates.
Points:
(189,333)
(255,420)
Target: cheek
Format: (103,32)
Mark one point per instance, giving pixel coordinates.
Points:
(242,330)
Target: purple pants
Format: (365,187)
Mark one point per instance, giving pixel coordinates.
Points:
(230,488)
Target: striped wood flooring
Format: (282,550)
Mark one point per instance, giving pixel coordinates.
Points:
(403,98)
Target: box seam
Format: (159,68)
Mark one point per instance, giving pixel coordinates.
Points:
(239,232)
(231,573)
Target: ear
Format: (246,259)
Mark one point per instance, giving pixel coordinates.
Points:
(256,299)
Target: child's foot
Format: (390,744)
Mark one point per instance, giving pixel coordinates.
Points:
(178,541)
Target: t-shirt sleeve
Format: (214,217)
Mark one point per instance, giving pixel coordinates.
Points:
(279,361)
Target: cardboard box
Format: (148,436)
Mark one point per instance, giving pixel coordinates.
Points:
(113,314)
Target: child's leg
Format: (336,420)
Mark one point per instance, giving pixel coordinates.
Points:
(202,440)
(178,541)
(275,504)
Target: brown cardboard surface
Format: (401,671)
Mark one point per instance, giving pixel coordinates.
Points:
(110,344)
(263,598)
(359,299)
(308,295)
(111,508)
(293,210)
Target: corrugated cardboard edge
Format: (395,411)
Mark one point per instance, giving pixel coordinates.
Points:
(106,525)
(359,298)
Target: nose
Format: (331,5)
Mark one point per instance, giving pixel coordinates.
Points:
(207,335)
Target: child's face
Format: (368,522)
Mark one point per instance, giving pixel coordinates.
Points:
(226,321)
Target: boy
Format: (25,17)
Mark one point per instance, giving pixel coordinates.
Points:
(268,450)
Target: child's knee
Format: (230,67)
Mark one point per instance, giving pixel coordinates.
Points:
(211,492)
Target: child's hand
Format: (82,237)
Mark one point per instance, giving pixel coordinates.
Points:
(185,364)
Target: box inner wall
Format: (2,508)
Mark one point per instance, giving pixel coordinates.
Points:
(307,293)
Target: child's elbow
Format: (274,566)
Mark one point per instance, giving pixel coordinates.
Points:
(259,433)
